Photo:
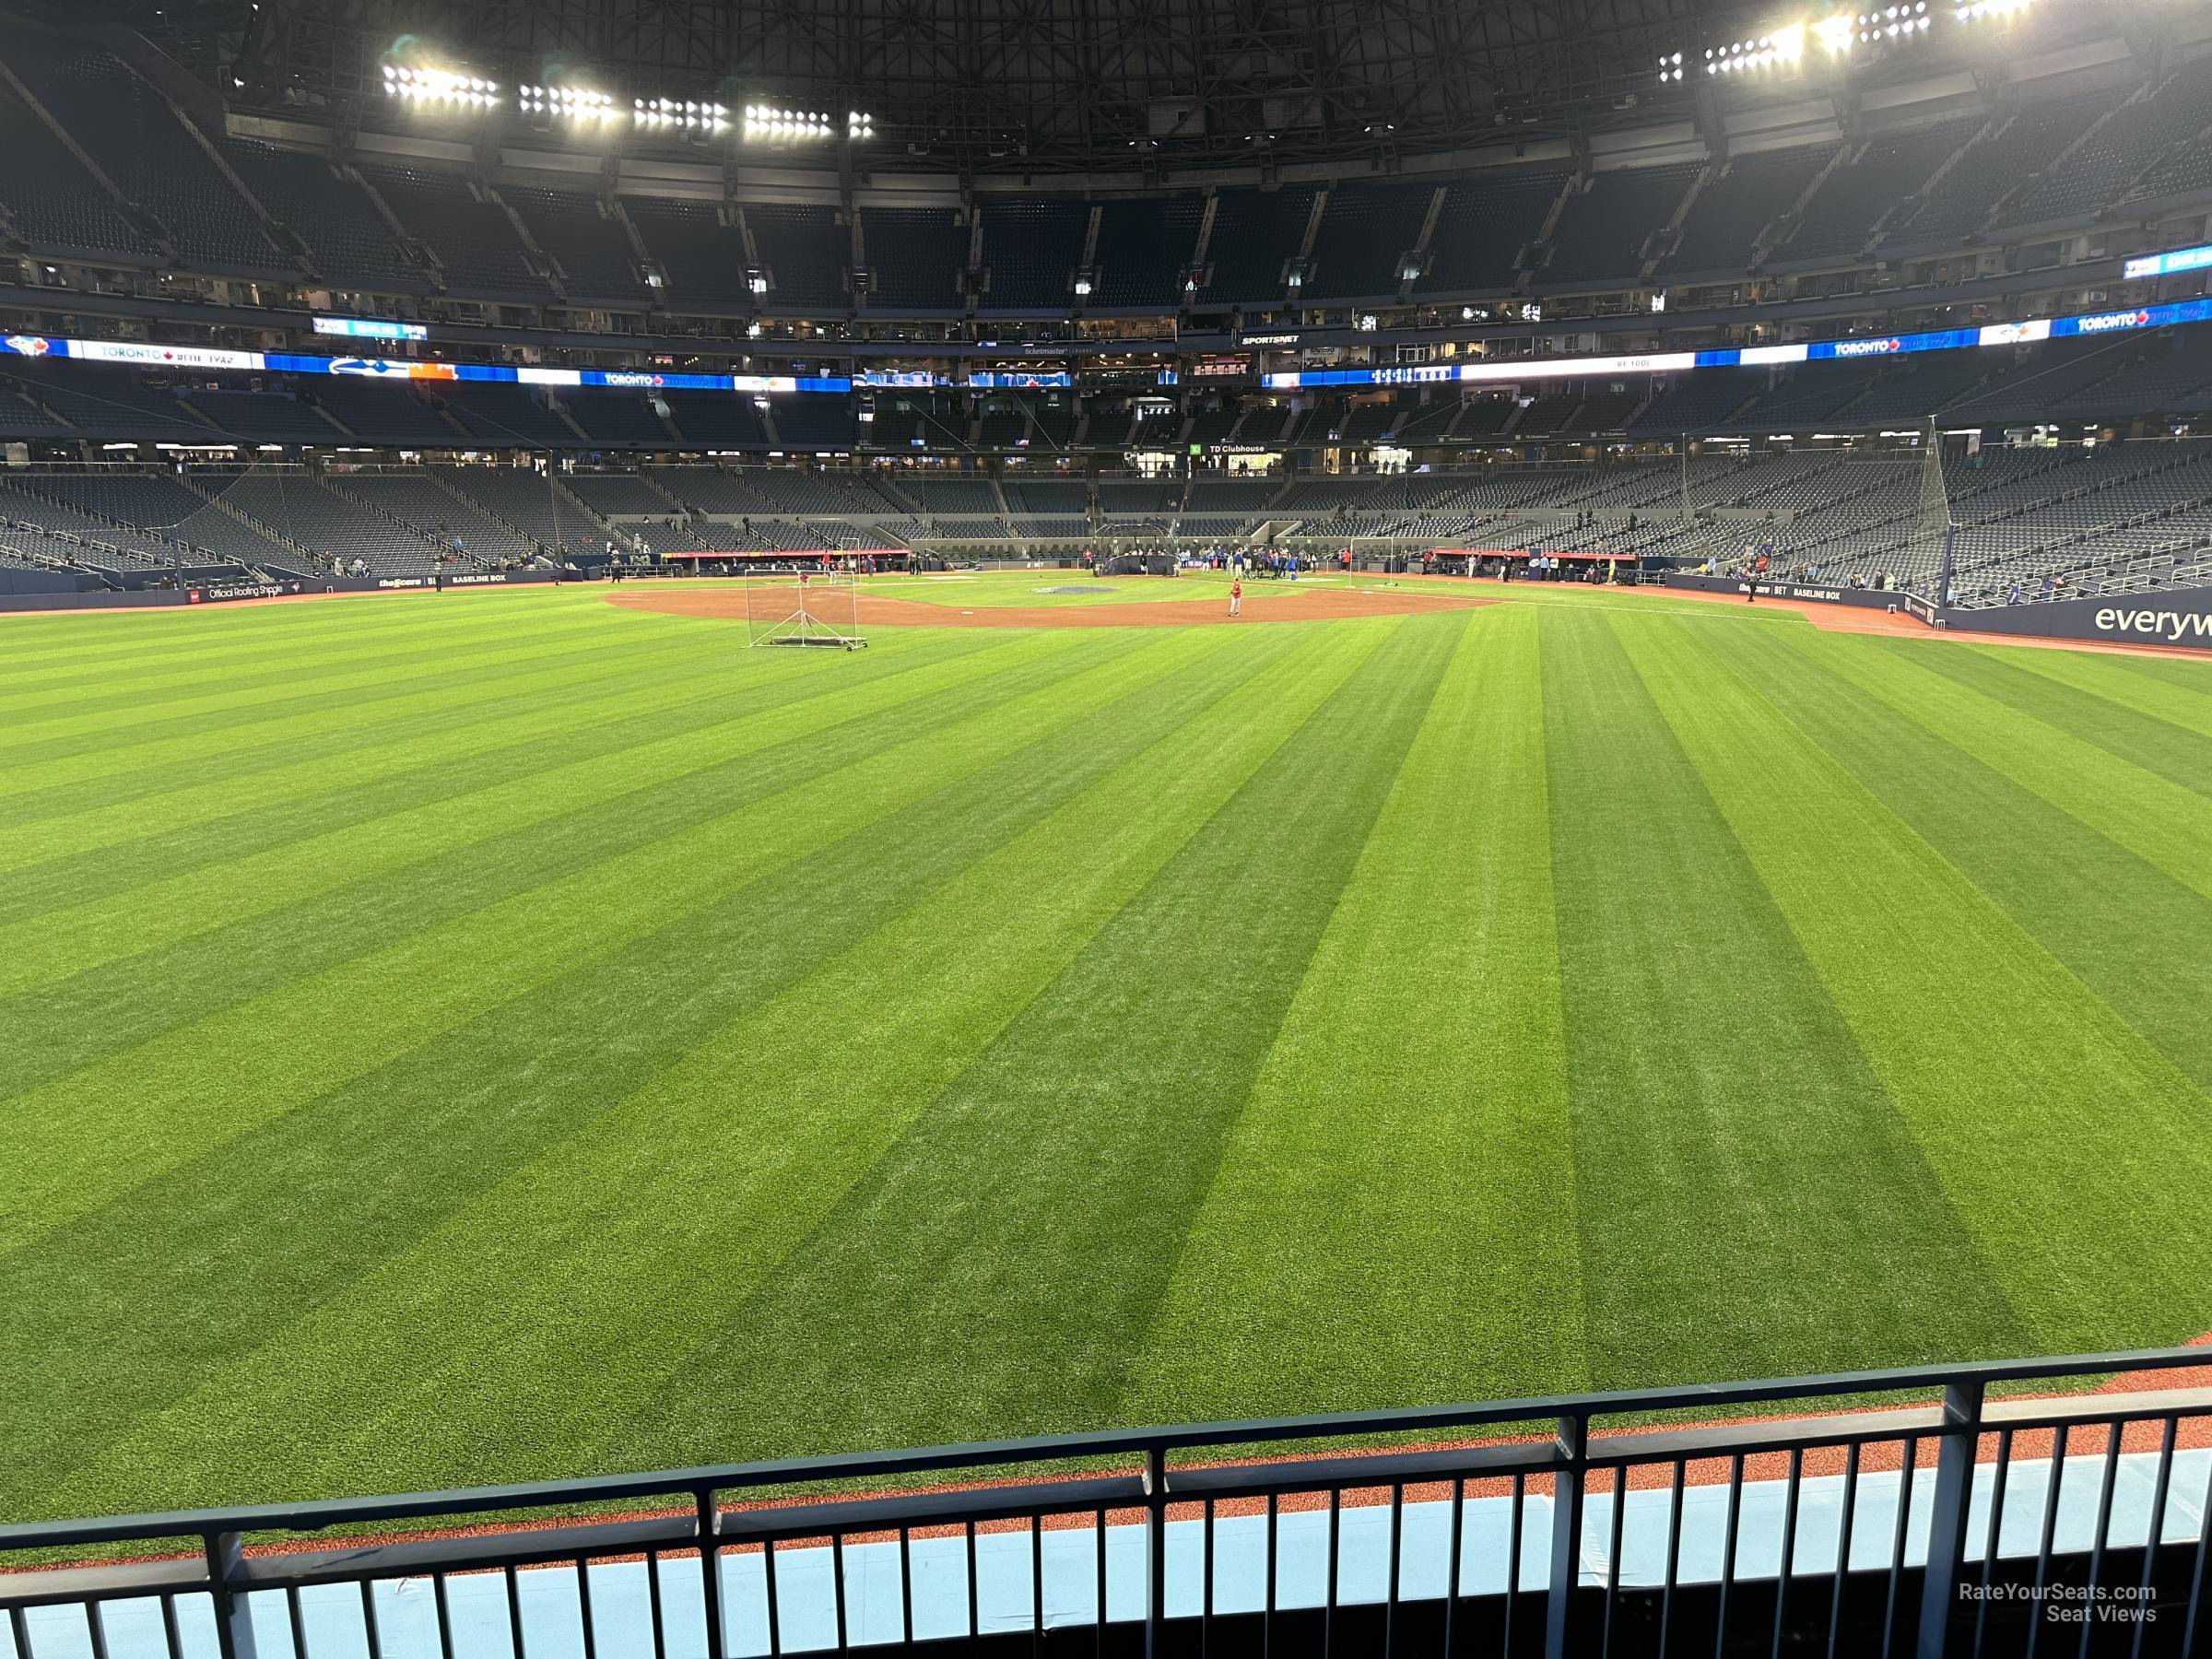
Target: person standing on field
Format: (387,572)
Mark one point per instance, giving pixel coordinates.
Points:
(1236,595)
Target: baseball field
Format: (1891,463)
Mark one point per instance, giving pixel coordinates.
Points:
(461,1038)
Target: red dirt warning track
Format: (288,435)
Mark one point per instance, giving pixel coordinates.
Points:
(1319,606)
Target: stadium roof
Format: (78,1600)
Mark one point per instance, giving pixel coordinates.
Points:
(1054,85)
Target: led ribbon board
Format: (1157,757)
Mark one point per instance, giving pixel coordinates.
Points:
(367,328)
(143,355)
(1814,351)
(146,355)
(2168,265)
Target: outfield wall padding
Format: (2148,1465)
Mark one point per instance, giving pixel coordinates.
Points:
(217,592)
(136,599)
(13,581)
(1819,594)
(2180,617)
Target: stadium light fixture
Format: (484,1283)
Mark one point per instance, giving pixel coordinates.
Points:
(684,115)
(1974,11)
(1784,47)
(438,85)
(1837,33)
(1893,23)
(773,124)
(577,104)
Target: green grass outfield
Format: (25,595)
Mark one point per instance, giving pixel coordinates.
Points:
(454,1039)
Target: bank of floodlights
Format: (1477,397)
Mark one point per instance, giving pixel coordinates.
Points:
(1974,11)
(1897,23)
(679,114)
(438,85)
(772,123)
(1786,49)
(577,104)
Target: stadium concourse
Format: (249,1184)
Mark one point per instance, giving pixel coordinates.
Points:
(1441,986)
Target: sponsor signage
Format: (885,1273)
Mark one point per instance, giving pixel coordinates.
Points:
(1872,598)
(238,590)
(2179,618)
(1021,379)
(144,354)
(2109,320)
(163,356)
(902,377)
(1268,339)
(366,328)
(1944,339)
(2167,626)
(2170,265)
(366,368)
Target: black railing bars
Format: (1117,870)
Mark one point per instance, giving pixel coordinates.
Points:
(1933,1511)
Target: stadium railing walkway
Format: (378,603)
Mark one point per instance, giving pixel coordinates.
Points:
(1932,1511)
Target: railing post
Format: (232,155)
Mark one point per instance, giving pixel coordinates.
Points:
(708,1527)
(1955,1449)
(233,1614)
(1560,1635)
(1156,1548)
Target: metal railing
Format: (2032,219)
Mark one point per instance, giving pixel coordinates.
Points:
(1932,1511)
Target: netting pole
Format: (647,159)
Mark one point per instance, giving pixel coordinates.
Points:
(1935,514)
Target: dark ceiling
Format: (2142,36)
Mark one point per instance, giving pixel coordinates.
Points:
(1026,85)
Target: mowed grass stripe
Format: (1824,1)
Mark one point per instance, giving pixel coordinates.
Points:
(2158,745)
(372,1168)
(2161,820)
(2127,930)
(118,1003)
(173,830)
(74,725)
(2005,1065)
(995,1271)
(2108,678)
(1746,1198)
(766,1090)
(126,642)
(1408,1127)
(44,950)
(149,691)
(403,993)
(215,755)
(98,754)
